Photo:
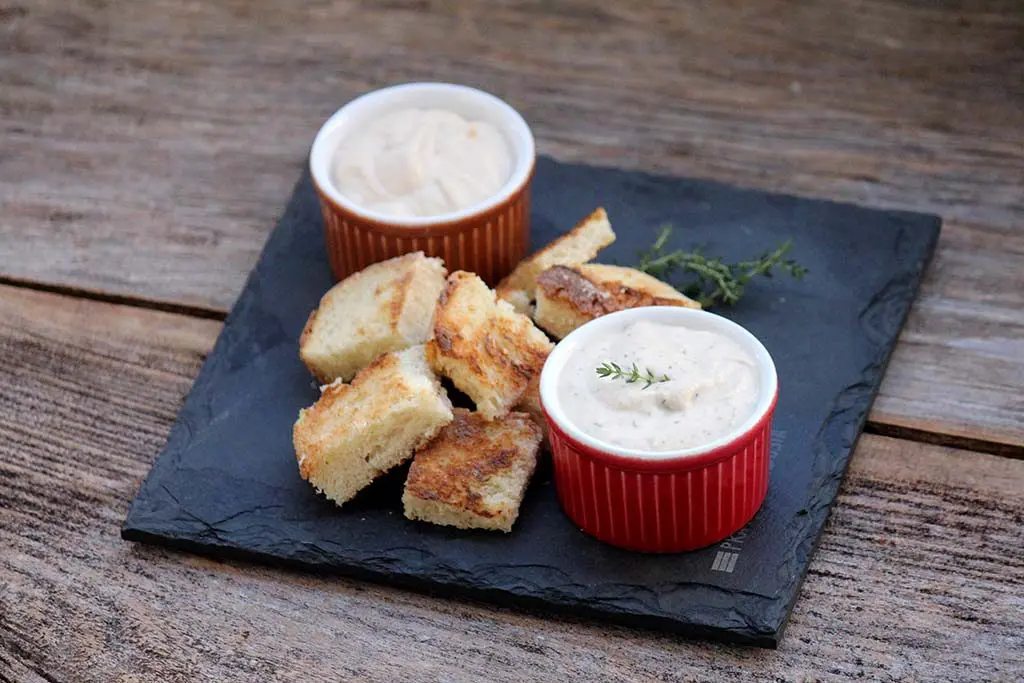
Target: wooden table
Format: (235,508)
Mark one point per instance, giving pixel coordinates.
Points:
(147,148)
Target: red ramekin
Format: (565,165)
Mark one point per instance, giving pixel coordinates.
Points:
(661,502)
(488,238)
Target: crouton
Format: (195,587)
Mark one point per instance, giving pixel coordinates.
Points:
(575,247)
(489,351)
(384,307)
(356,432)
(475,473)
(570,297)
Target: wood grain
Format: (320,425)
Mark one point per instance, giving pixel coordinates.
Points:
(148,147)
(919,575)
(958,368)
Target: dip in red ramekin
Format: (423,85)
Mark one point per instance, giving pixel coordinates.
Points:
(487,238)
(661,501)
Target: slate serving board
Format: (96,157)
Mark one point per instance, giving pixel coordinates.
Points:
(227,483)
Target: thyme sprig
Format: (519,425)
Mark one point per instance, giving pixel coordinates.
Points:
(712,280)
(614,371)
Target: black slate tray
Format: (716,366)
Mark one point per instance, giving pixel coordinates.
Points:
(227,483)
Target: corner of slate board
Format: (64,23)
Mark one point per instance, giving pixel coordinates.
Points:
(226,484)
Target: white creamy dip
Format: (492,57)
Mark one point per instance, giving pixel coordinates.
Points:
(422,162)
(712,388)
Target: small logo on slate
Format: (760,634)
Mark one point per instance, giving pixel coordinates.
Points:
(729,555)
(778,438)
(725,562)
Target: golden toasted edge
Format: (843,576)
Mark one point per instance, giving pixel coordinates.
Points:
(566,299)
(612,277)
(598,218)
(306,451)
(568,285)
(307,333)
(600,297)
(443,340)
(520,283)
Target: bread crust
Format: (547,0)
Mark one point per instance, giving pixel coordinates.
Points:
(579,245)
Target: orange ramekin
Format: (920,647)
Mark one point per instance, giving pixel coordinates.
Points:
(661,502)
(488,238)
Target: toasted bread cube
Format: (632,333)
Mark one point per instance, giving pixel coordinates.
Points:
(356,432)
(475,473)
(384,307)
(489,351)
(574,248)
(569,297)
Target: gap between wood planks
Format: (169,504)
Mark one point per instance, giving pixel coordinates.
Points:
(964,443)
(206,313)
(192,311)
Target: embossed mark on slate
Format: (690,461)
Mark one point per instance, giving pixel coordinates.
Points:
(227,484)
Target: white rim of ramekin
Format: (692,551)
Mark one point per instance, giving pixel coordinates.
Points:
(512,126)
(768,382)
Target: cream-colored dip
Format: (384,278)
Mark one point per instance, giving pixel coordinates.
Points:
(712,388)
(422,162)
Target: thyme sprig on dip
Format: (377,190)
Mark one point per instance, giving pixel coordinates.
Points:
(714,280)
(614,371)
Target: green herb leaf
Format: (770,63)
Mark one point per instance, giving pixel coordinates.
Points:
(613,371)
(710,280)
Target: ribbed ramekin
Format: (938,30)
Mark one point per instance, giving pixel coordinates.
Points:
(488,238)
(661,502)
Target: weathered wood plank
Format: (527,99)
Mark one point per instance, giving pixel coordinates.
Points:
(919,576)
(148,147)
(958,368)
